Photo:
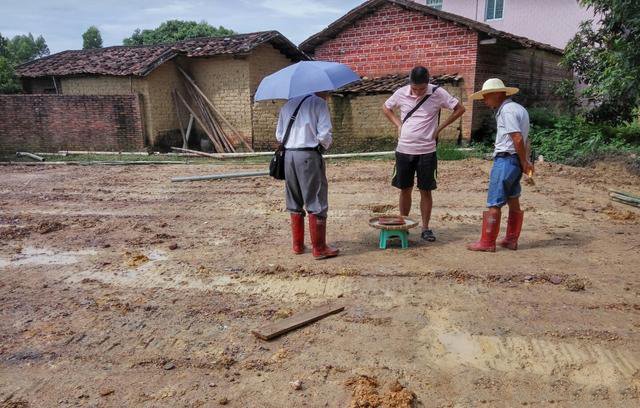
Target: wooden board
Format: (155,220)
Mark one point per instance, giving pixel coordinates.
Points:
(280,327)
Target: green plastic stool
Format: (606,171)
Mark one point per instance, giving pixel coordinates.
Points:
(385,235)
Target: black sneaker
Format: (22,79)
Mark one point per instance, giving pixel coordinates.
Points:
(428,235)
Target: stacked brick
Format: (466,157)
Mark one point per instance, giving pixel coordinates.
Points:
(48,123)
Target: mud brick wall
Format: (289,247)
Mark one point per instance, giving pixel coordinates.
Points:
(264,61)
(393,40)
(359,124)
(48,123)
(536,72)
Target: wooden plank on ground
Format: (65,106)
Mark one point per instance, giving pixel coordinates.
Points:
(280,327)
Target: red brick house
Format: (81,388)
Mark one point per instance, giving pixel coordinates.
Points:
(388,37)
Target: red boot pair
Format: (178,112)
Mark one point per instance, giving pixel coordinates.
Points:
(491,229)
(318,232)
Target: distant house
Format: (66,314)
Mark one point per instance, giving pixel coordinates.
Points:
(553,22)
(386,38)
(227,69)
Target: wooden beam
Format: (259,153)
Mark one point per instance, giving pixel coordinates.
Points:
(220,176)
(216,111)
(202,125)
(189,127)
(175,103)
(280,327)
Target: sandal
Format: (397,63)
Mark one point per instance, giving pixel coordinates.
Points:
(428,235)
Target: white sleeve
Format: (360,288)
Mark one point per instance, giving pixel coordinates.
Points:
(282,126)
(324,128)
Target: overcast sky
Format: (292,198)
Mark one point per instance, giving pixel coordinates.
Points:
(62,22)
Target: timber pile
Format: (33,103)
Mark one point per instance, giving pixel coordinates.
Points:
(208,117)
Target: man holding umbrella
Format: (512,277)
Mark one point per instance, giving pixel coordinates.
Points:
(304,130)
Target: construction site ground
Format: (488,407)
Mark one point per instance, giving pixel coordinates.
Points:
(119,288)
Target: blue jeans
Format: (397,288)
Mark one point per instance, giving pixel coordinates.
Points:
(504,181)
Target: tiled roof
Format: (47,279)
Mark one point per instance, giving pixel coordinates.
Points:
(390,83)
(141,60)
(367,7)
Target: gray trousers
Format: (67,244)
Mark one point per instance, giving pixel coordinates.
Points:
(306,183)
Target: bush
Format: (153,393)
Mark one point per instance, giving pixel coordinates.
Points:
(574,140)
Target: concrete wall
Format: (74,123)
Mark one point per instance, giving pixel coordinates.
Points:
(552,22)
(393,40)
(48,123)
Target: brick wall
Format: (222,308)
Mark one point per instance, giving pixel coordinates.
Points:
(536,72)
(394,40)
(225,81)
(264,61)
(48,123)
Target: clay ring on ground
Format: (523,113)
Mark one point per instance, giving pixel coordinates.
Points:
(409,223)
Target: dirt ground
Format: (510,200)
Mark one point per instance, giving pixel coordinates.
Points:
(119,288)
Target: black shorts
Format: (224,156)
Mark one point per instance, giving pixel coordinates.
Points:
(407,165)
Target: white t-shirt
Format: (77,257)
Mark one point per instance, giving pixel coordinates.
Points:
(511,118)
(416,136)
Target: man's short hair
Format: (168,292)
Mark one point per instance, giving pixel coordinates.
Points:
(419,75)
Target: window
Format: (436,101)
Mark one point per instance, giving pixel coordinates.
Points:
(436,4)
(495,10)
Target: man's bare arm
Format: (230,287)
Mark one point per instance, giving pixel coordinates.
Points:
(458,111)
(392,117)
(521,150)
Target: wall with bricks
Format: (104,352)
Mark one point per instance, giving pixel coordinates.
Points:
(48,123)
(160,116)
(393,40)
(225,81)
(264,61)
(536,72)
(359,124)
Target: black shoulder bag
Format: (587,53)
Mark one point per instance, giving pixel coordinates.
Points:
(276,167)
(422,101)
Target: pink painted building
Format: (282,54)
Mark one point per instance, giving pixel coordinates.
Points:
(552,22)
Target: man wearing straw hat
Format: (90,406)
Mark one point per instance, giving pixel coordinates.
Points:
(510,160)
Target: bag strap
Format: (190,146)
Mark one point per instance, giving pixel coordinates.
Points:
(293,119)
(415,108)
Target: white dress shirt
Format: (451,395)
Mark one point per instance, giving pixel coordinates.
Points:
(312,126)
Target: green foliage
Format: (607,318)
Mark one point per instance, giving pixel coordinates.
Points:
(574,140)
(91,38)
(175,30)
(605,56)
(16,51)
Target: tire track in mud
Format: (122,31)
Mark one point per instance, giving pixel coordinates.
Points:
(584,363)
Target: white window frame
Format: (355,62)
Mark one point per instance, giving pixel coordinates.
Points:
(486,10)
(436,4)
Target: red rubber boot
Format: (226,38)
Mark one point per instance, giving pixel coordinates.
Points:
(514,226)
(297,232)
(490,230)
(318,231)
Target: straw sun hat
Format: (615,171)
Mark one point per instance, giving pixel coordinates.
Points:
(494,85)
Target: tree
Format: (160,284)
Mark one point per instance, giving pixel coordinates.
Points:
(16,51)
(175,30)
(605,56)
(91,38)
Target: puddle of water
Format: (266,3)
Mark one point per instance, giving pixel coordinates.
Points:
(44,256)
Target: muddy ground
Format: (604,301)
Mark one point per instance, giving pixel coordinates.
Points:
(119,288)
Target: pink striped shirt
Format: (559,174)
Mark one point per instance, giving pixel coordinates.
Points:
(417,133)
